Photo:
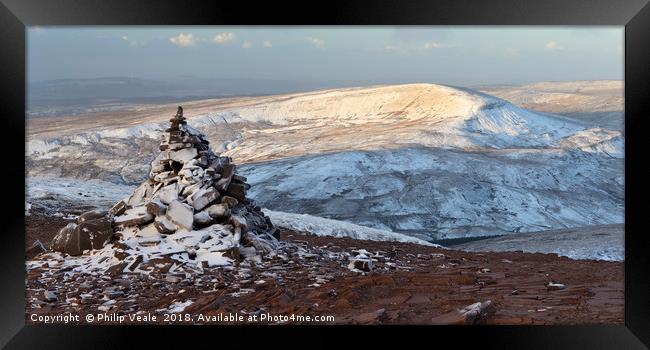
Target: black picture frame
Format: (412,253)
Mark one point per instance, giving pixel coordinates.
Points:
(15,15)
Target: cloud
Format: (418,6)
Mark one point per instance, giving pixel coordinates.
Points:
(553,45)
(512,52)
(246,44)
(316,42)
(183,39)
(133,43)
(415,47)
(267,44)
(223,38)
(36,28)
(433,45)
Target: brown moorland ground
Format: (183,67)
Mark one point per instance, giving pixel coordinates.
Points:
(409,284)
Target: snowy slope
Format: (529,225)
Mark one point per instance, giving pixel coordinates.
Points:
(314,123)
(427,160)
(603,242)
(439,194)
(53,195)
(70,197)
(333,228)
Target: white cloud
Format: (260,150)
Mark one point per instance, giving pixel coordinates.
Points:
(223,38)
(246,44)
(433,45)
(553,45)
(512,52)
(36,29)
(409,48)
(183,39)
(267,44)
(317,42)
(131,42)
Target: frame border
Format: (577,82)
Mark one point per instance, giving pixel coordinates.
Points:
(634,14)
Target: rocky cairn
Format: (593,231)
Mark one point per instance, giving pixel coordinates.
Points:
(193,207)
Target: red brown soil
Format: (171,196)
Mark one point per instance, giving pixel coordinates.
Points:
(413,285)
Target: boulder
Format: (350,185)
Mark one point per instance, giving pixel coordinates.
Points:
(183,155)
(164,226)
(170,180)
(226,176)
(91,215)
(148,234)
(180,214)
(238,190)
(34,250)
(216,166)
(203,161)
(152,187)
(255,221)
(50,296)
(160,177)
(73,239)
(63,239)
(118,208)
(156,207)
(275,233)
(185,173)
(203,197)
(179,145)
(168,193)
(229,201)
(158,168)
(161,158)
(232,253)
(218,211)
(360,264)
(472,314)
(134,217)
(238,222)
(239,178)
(202,219)
(139,195)
(95,233)
(188,190)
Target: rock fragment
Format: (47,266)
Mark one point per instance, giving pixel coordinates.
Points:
(34,250)
(134,217)
(180,214)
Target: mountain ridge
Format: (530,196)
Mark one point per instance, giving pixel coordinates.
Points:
(471,164)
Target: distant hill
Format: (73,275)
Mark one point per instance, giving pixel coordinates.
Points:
(76,96)
(431,161)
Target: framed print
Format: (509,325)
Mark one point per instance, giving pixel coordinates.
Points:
(219,169)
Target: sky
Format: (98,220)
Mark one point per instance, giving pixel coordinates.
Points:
(472,55)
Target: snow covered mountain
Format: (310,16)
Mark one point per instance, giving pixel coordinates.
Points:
(428,160)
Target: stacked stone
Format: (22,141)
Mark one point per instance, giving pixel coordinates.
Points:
(189,189)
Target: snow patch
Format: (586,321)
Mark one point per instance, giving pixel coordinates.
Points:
(333,228)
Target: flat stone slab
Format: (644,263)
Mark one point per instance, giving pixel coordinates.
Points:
(180,214)
(203,197)
(133,217)
(183,155)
